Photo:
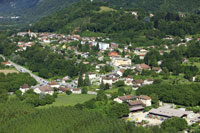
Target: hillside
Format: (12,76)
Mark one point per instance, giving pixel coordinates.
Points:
(29,11)
(100,19)
(190,6)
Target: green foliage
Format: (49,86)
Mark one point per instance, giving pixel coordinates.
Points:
(3,95)
(66,119)
(68,92)
(80,81)
(176,123)
(119,83)
(47,63)
(119,110)
(101,96)
(184,94)
(13,81)
(84,90)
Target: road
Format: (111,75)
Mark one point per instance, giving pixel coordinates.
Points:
(24,70)
(42,81)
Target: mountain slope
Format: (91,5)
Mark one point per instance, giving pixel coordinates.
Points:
(162,5)
(29,10)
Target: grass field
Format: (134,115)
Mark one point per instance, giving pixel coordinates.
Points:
(67,100)
(105,9)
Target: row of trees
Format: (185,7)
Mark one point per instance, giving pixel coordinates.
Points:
(182,94)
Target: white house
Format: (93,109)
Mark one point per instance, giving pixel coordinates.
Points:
(46,89)
(145,99)
(24,88)
(107,80)
(92,75)
(103,46)
(148,82)
(76,91)
(126,98)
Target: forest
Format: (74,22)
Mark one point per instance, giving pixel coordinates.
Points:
(21,117)
(119,24)
(46,63)
(181,94)
(12,81)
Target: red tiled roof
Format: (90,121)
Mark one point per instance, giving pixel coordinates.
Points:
(24,86)
(144,97)
(144,66)
(136,102)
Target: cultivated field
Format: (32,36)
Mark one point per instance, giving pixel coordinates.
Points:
(8,71)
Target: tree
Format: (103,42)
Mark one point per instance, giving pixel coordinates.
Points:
(80,81)
(87,80)
(118,110)
(19,94)
(101,96)
(155,99)
(119,83)
(102,86)
(68,92)
(49,99)
(3,95)
(84,90)
(178,124)
(107,86)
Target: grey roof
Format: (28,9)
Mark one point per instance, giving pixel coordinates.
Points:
(168,112)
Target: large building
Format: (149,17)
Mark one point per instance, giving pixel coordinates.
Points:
(163,112)
(121,62)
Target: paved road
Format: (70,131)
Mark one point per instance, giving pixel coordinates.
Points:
(24,70)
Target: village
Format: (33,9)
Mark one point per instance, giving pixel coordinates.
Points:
(120,61)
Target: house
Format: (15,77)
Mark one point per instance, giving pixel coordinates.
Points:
(6,63)
(145,67)
(92,75)
(113,54)
(135,87)
(157,69)
(145,99)
(54,84)
(148,82)
(46,89)
(63,89)
(76,91)
(107,80)
(120,72)
(126,98)
(24,88)
(136,105)
(138,82)
(128,82)
(121,61)
(113,45)
(164,113)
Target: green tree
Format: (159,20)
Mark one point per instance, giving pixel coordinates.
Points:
(87,80)
(178,124)
(119,110)
(84,90)
(68,92)
(80,81)
(3,95)
(101,96)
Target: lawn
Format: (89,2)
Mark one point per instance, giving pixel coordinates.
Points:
(106,9)
(67,100)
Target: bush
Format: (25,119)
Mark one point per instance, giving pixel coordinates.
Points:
(68,92)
